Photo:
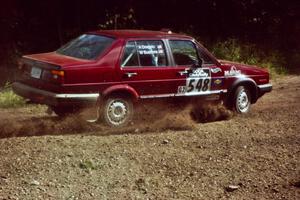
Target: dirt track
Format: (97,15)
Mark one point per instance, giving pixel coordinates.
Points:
(170,158)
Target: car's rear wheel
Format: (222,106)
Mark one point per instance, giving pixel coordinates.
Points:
(116,111)
(242,100)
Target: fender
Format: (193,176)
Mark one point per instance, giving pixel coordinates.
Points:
(121,88)
(246,82)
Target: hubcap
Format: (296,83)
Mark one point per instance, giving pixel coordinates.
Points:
(117,112)
(243,101)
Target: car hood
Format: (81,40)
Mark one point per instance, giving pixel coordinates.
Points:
(57,59)
(244,67)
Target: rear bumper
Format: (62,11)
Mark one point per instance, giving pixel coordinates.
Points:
(50,98)
(264,88)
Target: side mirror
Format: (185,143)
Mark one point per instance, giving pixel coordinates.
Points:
(197,63)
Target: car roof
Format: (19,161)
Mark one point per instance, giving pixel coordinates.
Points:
(123,33)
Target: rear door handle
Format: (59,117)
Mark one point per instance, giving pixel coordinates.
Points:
(130,74)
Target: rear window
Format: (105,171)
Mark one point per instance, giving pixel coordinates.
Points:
(86,46)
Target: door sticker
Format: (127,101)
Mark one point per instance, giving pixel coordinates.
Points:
(216,70)
(217,81)
(197,82)
(232,72)
(150,49)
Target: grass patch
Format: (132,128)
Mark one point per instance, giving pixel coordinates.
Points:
(87,165)
(8,99)
(234,50)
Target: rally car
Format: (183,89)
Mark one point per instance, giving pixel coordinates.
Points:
(115,69)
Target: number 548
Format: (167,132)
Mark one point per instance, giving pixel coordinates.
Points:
(199,85)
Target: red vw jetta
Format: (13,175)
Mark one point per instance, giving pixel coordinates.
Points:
(114,69)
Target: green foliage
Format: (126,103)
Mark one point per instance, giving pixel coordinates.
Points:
(234,50)
(8,99)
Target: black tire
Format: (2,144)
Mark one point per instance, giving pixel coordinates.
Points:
(116,111)
(241,101)
(63,111)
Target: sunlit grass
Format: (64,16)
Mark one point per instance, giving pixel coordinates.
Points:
(8,99)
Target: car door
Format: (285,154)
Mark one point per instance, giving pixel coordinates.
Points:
(145,66)
(202,75)
(218,82)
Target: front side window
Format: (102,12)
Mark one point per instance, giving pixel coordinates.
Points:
(184,52)
(86,46)
(144,53)
(204,56)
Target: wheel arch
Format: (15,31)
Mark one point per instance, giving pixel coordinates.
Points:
(125,90)
(249,84)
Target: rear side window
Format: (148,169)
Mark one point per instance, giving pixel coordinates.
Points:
(145,54)
(130,57)
(184,52)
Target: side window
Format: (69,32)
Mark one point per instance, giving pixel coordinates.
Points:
(130,57)
(144,53)
(184,52)
(151,53)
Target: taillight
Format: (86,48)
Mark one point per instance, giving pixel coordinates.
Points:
(54,76)
(57,73)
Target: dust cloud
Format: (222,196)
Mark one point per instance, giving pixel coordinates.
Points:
(147,118)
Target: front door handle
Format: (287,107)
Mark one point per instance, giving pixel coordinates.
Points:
(130,74)
(182,73)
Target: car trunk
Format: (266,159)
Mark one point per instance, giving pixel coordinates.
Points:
(45,71)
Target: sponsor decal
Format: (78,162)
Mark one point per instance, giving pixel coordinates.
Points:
(150,49)
(198,81)
(233,72)
(181,89)
(218,81)
(199,72)
(216,70)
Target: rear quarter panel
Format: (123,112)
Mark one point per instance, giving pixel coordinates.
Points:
(95,76)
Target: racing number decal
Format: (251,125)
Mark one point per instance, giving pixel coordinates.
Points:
(198,84)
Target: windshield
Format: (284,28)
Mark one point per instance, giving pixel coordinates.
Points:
(86,46)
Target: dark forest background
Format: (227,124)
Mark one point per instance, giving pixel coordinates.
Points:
(265,28)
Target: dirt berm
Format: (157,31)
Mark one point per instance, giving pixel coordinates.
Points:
(256,156)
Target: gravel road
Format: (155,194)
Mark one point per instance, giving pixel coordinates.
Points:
(256,156)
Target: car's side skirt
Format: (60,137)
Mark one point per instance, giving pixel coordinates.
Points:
(185,94)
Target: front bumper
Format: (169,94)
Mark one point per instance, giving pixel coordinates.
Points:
(50,98)
(264,88)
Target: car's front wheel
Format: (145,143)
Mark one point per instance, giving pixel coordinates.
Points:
(116,111)
(242,100)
